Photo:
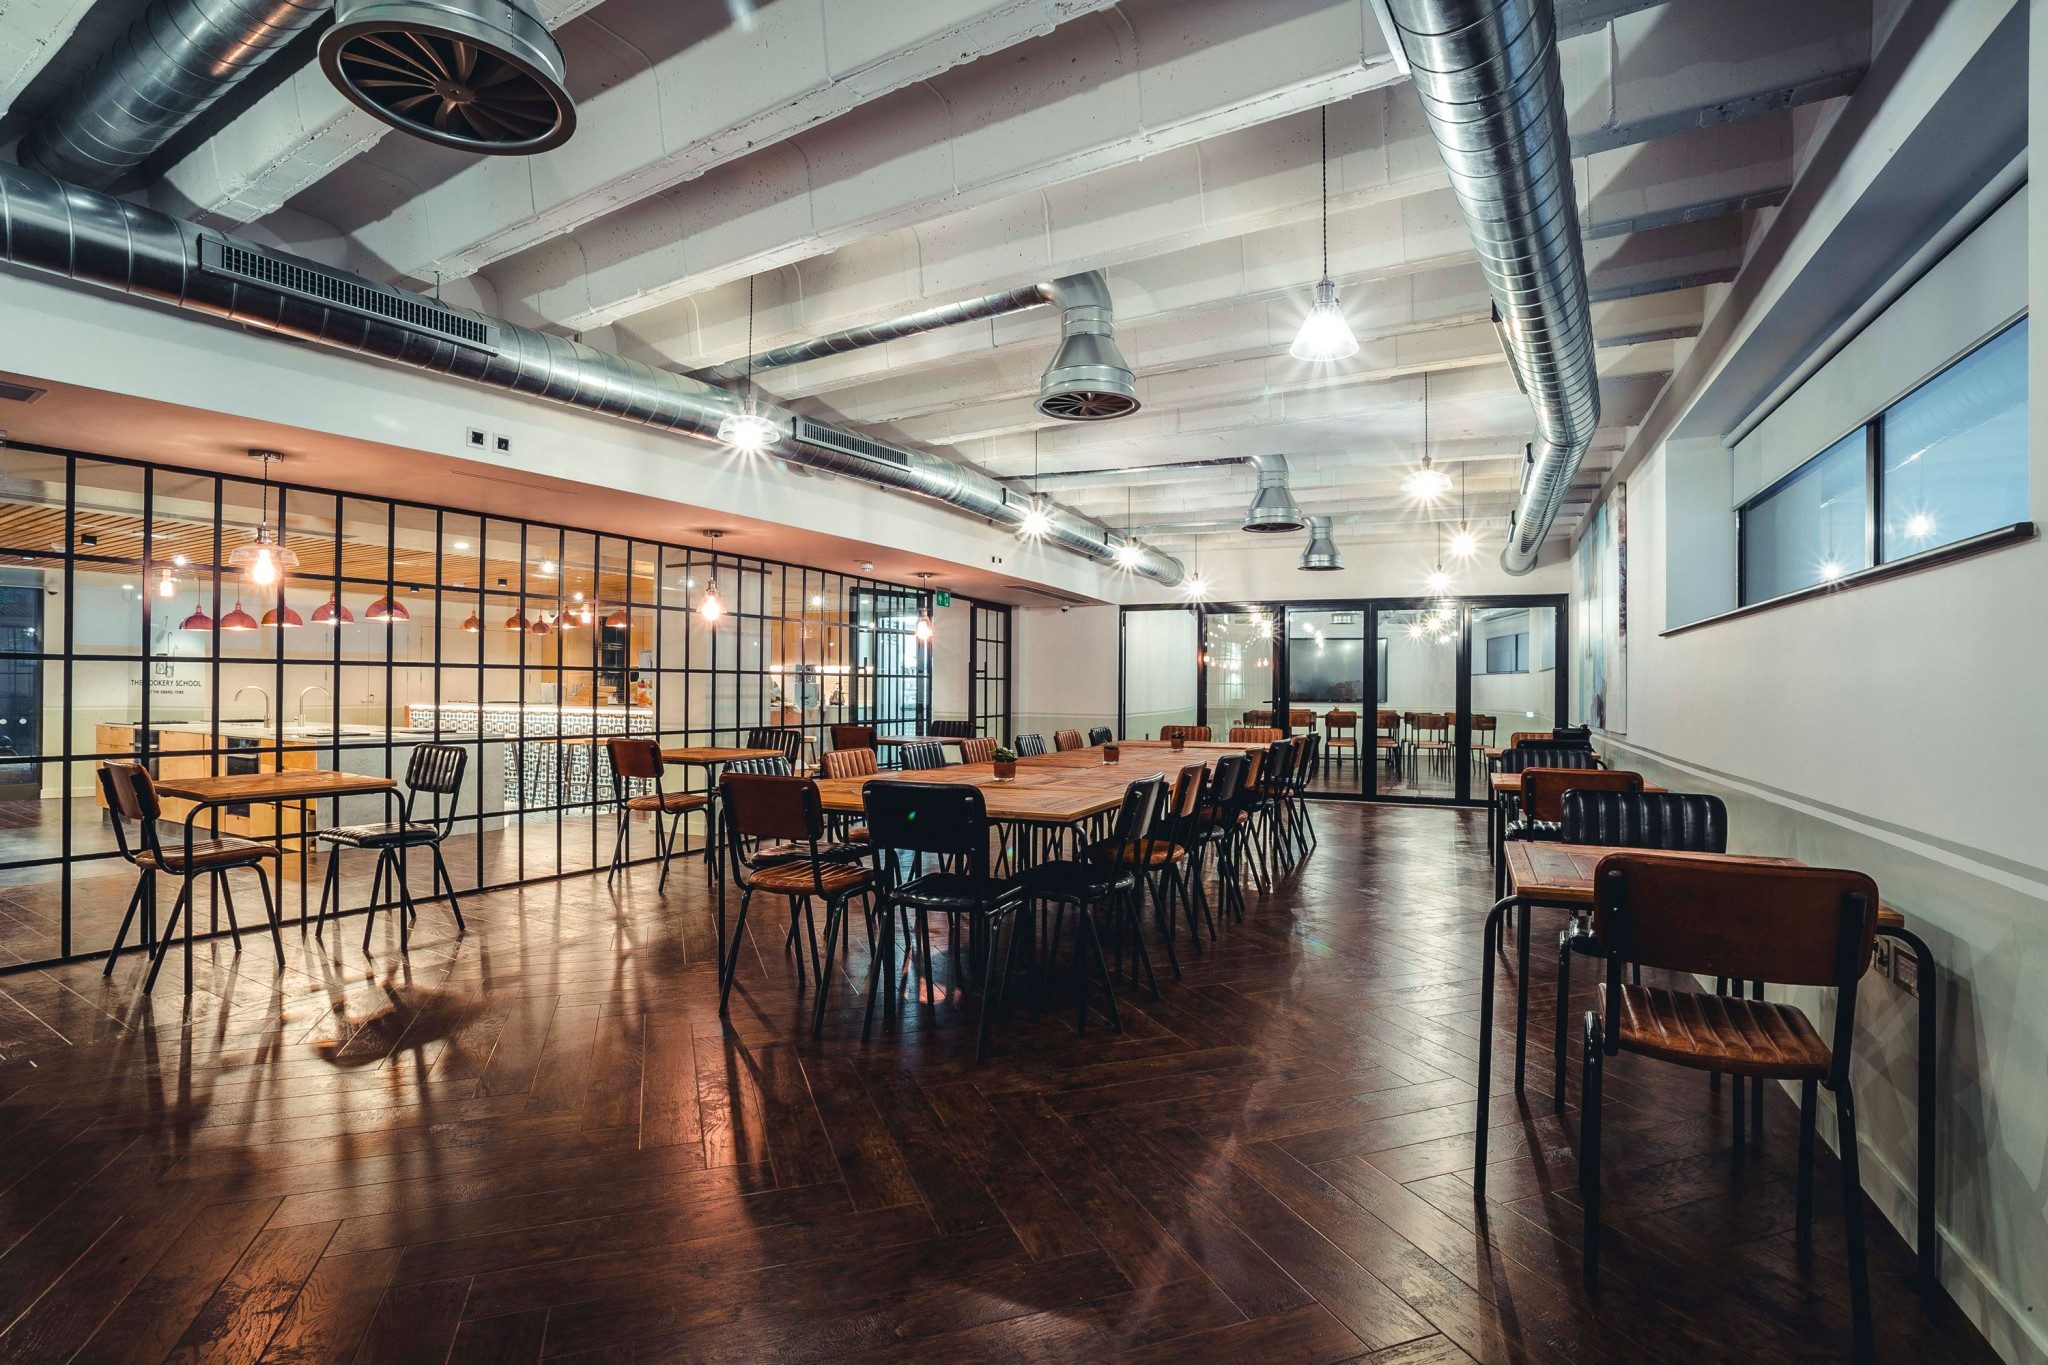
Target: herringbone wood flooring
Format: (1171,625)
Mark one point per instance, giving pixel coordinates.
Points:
(537,1140)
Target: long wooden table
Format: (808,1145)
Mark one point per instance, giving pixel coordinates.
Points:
(1049,789)
(1563,875)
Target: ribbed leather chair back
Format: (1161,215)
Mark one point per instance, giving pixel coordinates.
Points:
(1685,822)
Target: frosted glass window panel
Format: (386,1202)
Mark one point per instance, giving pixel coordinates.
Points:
(1810,529)
(1955,451)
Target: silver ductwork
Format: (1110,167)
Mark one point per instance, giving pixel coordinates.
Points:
(880,333)
(173,62)
(1273,508)
(1320,554)
(1487,74)
(96,239)
(1087,380)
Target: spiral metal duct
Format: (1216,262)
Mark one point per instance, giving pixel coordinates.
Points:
(96,239)
(1487,73)
(1087,379)
(173,62)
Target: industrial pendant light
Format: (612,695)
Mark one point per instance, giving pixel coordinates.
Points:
(1129,554)
(1425,482)
(333,612)
(387,611)
(472,624)
(1036,521)
(265,558)
(711,607)
(1464,541)
(746,430)
(238,620)
(198,620)
(1439,583)
(1325,336)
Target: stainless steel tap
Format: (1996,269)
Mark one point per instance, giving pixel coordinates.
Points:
(316,687)
(252,687)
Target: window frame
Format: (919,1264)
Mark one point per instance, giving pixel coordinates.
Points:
(1875,563)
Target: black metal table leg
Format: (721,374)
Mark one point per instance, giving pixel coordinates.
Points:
(1489,937)
(1928,1235)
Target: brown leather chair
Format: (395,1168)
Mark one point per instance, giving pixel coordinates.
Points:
(639,760)
(1186,734)
(1065,740)
(1747,920)
(131,798)
(782,812)
(978,749)
(1254,734)
(852,763)
(1541,805)
(853,737)
(1429,736)
(1387,737)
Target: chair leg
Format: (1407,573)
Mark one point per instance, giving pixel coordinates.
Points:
(330,888)
(1852,1220)
(881,946)
(134,905)
(618,846)
(835,916)
(1087,927)
(227,902)
(1522,919)
(1808,1103)
(732,961)
(448,884)
(998,941)
(270,911)
(1589,1151)
(376,895)
(170,931)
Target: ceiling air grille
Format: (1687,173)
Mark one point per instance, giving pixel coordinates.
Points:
(849,443)
(346,292)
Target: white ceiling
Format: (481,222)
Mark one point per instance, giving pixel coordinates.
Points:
(855,161)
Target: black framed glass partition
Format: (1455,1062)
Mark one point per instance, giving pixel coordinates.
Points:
(128,628)
(1408,694)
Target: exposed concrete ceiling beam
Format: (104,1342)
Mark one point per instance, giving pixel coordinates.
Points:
(1103,90)
(288,139)
(700,235)
(1656,72)
(715,92)
(31,30)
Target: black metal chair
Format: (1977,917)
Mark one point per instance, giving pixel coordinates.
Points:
(1800,926)
(786,738)
(1307,758)
(436,770)
(1226,817)
(951,729)
(923,756)
(1029,746)
(1105,878)
(1100,734)
(950,822)
(131,796)
(775,843)
(1169,862)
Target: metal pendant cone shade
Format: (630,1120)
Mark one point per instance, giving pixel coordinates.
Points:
(476,75)
(1320,554)
(1273,508)
(1087,380)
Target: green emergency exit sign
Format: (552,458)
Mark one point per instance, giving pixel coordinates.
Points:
(943,598)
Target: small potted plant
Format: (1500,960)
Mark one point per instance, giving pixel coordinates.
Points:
(1005,763)
(1179,741)
(1111,753)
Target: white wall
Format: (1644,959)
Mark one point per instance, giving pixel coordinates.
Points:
(1894,727)
(952,646)
(1063,669)
(1269,570)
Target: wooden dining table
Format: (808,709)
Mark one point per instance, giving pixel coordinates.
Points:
(1563,875)
(1049,789)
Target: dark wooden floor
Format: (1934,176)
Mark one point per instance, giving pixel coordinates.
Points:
(536,1140)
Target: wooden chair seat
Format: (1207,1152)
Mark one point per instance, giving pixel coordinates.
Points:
(668,803)
(800,879)
(1720,1033)
(207,855)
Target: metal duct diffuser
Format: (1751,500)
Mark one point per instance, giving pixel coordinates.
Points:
(1273,508)
(1320,554)
(1087,380)
(477,75)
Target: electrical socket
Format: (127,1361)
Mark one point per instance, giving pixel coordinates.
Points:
(501,443)
(477,439)
(1905,971)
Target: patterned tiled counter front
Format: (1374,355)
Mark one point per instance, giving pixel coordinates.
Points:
(547,762)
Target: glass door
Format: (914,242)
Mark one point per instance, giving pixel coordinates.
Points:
(1329,678)
(1239,681)
(891,677)
(1516,686)
(1419,648)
